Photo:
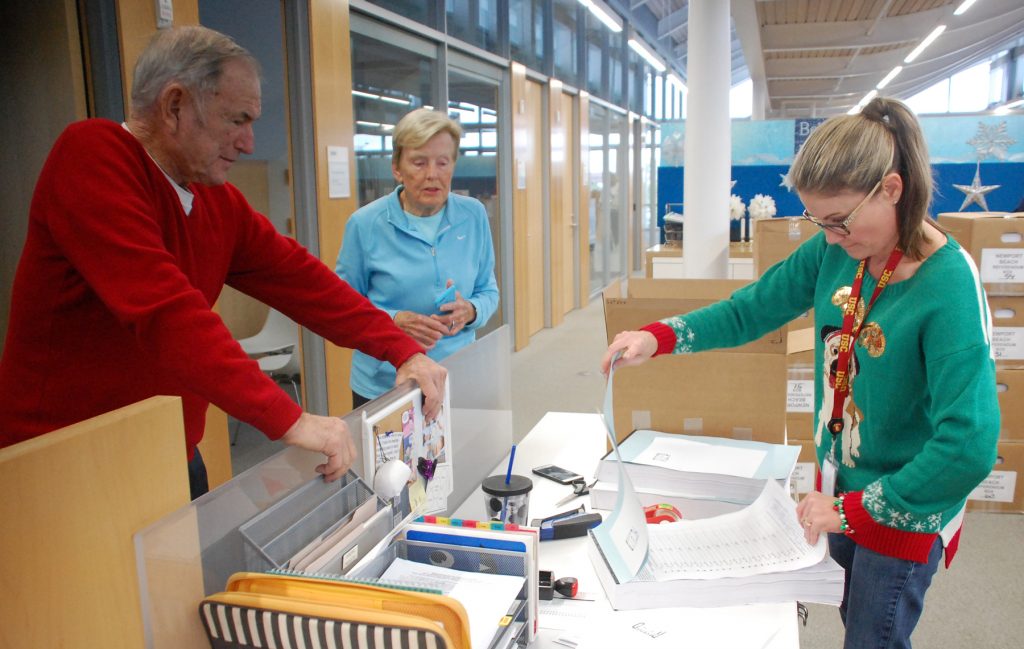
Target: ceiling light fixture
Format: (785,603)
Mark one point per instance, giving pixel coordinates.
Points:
(1007,107)
(925,43)
(863,102)
(646,55)
(964,6)
(368,95)
(889,77)
(604,13)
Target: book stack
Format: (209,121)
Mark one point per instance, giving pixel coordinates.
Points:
(701,475)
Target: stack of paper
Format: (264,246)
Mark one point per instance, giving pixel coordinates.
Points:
(693,467)
(754,555)
(486,597)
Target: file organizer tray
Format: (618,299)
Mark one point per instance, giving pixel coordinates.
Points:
(312,511)
(468,559)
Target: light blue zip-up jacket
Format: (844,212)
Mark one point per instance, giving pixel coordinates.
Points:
(386,258)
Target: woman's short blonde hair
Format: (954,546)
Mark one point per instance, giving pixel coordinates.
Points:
(854,152)
(416,128)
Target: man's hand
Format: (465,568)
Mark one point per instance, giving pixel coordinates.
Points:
(430,377)
(327,435)
(423,329)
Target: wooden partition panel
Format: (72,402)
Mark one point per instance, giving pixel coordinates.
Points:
(333,125)
(582,218)
(527,206)
(557,185)
(73,499)
(570,211)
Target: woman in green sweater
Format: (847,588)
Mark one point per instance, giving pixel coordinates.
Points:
(905,377)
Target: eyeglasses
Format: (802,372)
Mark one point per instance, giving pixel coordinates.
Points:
(843,227)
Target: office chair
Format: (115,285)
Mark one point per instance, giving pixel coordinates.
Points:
(277,334)
(275,348)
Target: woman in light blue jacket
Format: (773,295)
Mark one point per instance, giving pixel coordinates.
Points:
(420,253)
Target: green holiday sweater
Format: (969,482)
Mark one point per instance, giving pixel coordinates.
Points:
(922,417)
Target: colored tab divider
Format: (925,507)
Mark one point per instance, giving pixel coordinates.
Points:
(481,525)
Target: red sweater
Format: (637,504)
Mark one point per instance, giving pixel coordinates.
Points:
(112,297)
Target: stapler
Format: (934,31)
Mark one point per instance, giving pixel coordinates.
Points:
(566,525)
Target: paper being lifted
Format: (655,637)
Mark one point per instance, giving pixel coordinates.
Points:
(623,534)
(486,597)
(764,537)
(699,457)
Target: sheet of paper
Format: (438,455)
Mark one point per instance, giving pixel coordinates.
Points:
(565,614)
(389,447)
(622,536)
(698,457)
(438,489)
(325,543)
(764,626)
(764,537)
(486,597)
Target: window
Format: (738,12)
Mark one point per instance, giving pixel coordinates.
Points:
(566,52)
(965,92)
(741,100)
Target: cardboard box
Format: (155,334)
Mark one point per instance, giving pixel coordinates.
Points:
(1010,385)
(672,249)
(996,242)
(1007,329)
(1001,491)
(800,402)
(776,239)
(802,480)
(738,392)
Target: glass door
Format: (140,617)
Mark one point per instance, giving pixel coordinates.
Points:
(608,196)
(392,73)
(474,99)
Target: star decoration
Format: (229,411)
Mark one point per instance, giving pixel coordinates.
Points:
(991,141)
(785,182)
(975,192)
(732,183)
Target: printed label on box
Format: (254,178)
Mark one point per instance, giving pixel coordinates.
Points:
(799,396)
(998,487)
(802,477)
(1008,343)
(1002,265)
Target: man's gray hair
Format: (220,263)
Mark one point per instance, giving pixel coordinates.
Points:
(193,56)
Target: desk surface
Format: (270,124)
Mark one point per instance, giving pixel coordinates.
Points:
(576,442)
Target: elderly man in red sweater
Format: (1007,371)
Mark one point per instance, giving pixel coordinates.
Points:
(133,232)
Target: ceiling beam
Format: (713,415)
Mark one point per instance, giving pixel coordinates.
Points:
(836,35)
(747,28)
(673,22)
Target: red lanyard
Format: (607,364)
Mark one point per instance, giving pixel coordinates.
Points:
(842,387)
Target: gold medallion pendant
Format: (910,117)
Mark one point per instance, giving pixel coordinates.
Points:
(872,339)
(841,297)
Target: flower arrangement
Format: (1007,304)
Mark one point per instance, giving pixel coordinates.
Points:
(737,210)
(762,207)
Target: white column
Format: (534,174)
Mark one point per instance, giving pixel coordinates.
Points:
(708,150)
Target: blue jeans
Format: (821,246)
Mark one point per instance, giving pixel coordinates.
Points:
(883,596)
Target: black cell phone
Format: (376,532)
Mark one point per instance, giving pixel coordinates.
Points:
(557,473)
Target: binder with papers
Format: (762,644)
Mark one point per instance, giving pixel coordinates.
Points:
(472,561)
(766,560)
(699,466)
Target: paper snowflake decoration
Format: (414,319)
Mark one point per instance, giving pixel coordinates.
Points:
(761,207)
(991,141)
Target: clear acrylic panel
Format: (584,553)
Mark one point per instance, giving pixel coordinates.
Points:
(191,552)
